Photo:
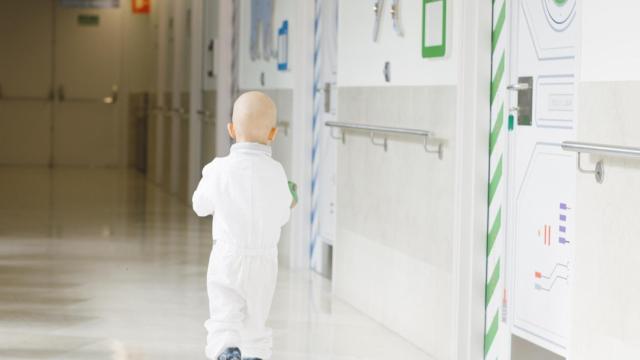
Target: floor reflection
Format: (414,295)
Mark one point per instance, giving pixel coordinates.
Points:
(102,264)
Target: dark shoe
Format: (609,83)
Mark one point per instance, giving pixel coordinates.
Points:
(230,354)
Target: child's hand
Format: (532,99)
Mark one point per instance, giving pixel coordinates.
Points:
(293,188)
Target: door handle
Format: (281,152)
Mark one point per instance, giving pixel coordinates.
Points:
(327,97)
(212,65)
(112,99)
(518,87)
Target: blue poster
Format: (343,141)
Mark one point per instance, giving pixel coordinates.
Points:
(283,46)
(90,4)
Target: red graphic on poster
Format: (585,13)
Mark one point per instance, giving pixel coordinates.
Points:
(141,6)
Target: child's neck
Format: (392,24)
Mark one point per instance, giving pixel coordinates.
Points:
(251,141)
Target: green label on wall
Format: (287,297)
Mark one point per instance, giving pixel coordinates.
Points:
(434,28)
(88,20)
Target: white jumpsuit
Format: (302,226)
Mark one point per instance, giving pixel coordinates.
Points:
(248,195)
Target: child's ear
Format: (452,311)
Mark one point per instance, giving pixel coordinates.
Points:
(272,133)
(231,130)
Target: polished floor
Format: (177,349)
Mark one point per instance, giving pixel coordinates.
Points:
(102,264)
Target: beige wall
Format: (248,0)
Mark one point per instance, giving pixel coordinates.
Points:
(393,252)
(605,320)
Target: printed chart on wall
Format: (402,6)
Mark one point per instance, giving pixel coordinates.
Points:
(541,190)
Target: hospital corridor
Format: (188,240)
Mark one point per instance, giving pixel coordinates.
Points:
(393,179)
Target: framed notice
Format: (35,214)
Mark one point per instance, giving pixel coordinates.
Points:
(434,28)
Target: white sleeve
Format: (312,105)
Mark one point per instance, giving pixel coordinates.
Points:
(204,197)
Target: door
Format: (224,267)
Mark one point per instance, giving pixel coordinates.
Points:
(324,167)
(180,98)
(541,184)
(26,81)
(208,100)
(87,69)
(167,79)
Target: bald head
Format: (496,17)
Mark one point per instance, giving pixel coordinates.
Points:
(254,118)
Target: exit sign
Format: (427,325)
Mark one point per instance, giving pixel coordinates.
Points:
(88,20)
(141,6)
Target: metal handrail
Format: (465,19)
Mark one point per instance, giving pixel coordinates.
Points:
(379,129)
(599,149)
(24,98)
(385,131)
(112,99)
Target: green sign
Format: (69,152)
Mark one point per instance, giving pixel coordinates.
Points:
(434,28)
(88,20)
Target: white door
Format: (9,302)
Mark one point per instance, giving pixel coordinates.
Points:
(26,81)
(87,69)
(325,171)
(541,184)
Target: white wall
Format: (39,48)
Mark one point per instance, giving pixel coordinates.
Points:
(364,60)
(605,322)
(609,41)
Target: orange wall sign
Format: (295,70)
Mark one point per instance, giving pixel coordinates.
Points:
(141,6)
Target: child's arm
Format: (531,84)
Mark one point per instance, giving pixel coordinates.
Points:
(293,188)
(203,198)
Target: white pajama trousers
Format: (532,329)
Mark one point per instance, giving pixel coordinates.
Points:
(240,285)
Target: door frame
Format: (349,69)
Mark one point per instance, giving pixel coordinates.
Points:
(471,181)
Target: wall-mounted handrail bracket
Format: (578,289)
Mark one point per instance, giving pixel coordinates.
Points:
(384,132)
(341,137)
(372,136)
(438,150)
(598,172)
(599,149)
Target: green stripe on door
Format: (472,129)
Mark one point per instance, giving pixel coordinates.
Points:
(493,233)
(491,334)
(497,79)
(493,282)
(497,30)
(497,128)
(495,181)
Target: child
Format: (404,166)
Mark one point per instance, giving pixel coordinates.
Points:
(248,194)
